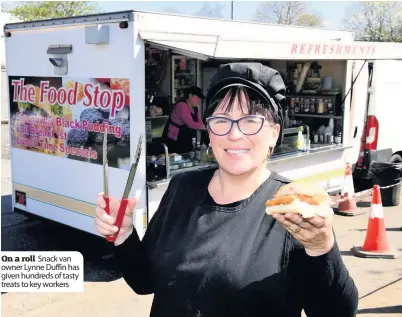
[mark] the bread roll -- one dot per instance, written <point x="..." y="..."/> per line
<point x="305" y="199"/>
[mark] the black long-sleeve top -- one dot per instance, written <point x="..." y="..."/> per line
<point x="201" y="259"/>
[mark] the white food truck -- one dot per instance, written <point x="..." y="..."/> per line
<point x="70" y="79"/>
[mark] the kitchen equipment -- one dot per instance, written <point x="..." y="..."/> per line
<point x="159" y="167"/>
<point x="338" y="138"/>
<point x="326" y="82"/>
<point x="186" y="164"/>
<point x="297" y="105"/>
<point x="127" y="189"/>
<point x="330" y="128"/>
<point x="321" y="129"/>
<point x="295" y="139"/>
<point x="329" y="106"/>
<point x="329" y="138"/>
<point x="300" y="140"/>
<point x="203" y="154"/>
<point x="286" y="119"/>
<point x="312" y="84"/>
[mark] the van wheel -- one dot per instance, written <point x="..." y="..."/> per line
<point x="391" y="196"/>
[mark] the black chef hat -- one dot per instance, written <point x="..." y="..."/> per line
<point x="266" y="81"/>
<point x="196" y="91"/>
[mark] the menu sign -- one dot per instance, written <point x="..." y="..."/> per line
<point x="67" y="117"/>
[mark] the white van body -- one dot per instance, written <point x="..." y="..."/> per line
<point x="112" y="45"/>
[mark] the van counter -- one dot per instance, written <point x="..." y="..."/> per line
<point x="315" y="149"/>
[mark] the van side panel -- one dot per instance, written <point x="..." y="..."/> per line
<point x="57" y="187"/>
<point x="26" y="52"/>
<point x="386" y="104"/>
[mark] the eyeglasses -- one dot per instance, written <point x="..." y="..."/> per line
<point x="248" y="125"/>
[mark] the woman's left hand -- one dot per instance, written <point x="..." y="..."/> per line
<point x="315" y="233"/>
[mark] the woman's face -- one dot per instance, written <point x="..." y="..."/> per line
<point x="194" y="100"/>
<point x="237" y="153"/>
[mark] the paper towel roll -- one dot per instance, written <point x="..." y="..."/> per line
<point x="302" y="77"/>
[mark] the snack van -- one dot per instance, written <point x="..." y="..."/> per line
<point x="123" y="71"/>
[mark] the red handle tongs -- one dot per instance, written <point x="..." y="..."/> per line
<point x="105" y="176"/>
<point x="130" y="180"/>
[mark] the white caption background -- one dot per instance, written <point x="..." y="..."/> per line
<point x="41" y="271"/>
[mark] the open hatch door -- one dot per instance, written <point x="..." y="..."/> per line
<point x="216" y="46"/>
<point x="196" y="46"/>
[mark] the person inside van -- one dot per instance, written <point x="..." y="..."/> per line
<point x="211" y="249"/>
<point x="184" y="121"/>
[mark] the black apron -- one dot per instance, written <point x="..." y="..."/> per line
<point x="184" y="138"/>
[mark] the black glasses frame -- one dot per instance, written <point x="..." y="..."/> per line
<point x="237" y="122"/>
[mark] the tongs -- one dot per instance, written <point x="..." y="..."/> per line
<point x="124" y="200"/>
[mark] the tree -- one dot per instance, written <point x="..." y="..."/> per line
<point x="287" y="12"/>
<point x="40" y="10"/>
<point x="209" y="11"/>
<point x="375" y="21"/>
<point x="308" y="19"/>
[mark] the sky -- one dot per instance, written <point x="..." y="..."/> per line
<point x="331" y="12"/>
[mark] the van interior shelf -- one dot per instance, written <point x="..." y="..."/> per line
<point x="329" y="116"/>
<point x="313" y="94"/>
<point x="156" y="117"/>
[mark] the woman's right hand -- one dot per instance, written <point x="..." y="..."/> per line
<point x="105" y="223"/>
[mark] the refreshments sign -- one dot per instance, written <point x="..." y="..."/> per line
<point x="332" y="50"/>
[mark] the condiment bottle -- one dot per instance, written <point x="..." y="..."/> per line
<point x="325" y="107"/>
<point x="312" y="105"/>
<point x="297" y="105"/>
<point x="198" y="152"/>
<point x="330" y="109"/>
<point x="204" y="156"/>
<point x="338" y="138"/>
<point x="193" y="150"/>
<point x="320" y="108"/>
<point x="292" y="105"/>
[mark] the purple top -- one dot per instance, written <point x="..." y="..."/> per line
<point x="181" y="114"/>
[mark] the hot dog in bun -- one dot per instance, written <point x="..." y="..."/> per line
<point x="305" y="199"/>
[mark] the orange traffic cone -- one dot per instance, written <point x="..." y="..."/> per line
<point x="376" y="242"/>
<point x="347" y="204"/>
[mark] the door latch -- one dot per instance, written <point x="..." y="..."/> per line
<point x="59" y="58"/>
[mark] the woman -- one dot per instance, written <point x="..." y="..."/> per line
<point x="184" y="121"/>
<point x="210" y="249"/>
